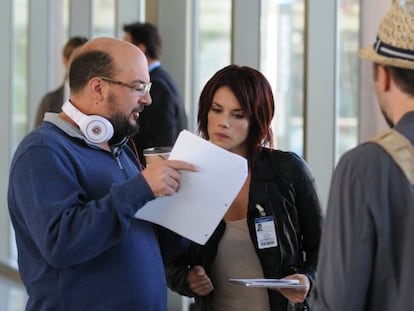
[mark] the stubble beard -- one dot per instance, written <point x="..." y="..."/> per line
<point x="123" y="127"/>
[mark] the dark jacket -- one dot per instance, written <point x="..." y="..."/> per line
<point x="51" y="102"/>
<point x="283" y="185"/>
<point x="162" y="121"/>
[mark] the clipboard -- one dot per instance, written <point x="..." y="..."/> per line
<point x="268" y="283"/>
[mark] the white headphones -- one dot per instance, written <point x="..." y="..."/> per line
<point x="96" y="129"/>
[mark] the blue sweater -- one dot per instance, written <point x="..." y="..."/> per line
<point x="72" y="206"/>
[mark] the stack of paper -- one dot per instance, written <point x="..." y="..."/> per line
<point x="204" y="196"/>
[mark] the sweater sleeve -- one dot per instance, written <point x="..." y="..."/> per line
<point x="73" y="211"/>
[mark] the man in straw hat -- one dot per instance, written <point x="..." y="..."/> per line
<point x="366" y="256"/>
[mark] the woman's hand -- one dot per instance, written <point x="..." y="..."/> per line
<point x="296" y="295"/>
<point x="199" y="282"/>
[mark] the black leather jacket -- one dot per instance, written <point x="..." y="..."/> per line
<point x="283" y="185"/>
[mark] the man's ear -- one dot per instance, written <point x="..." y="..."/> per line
<point x="97" y="88"/>
<point x="143" y="48"/>
<point x="384" y="78"/>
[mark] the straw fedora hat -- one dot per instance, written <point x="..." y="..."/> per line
<point x="395" y="39"/>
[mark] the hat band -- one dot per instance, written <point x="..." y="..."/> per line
<point x="391" y="51"/>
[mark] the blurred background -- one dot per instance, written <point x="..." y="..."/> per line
<point x="307" y="49"/>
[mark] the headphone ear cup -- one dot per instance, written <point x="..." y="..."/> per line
<point x="96" y="129"/>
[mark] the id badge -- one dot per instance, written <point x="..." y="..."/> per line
<point x="265" y="232"/>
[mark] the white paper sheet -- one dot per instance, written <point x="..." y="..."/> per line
<point x="204" y="196"/>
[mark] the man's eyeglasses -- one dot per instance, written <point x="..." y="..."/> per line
<point x="141" y="88"/>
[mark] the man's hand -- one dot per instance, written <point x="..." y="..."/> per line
<point x="164" y="177"/>
<point x="199" y="282"/>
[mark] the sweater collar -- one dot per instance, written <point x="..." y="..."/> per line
<point x="75" y="132"/>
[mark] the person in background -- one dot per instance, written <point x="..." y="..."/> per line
<point x="160" y="123"/>
<point x="367" y="252"/>
<point x="75" y="187"/>
<point x="53" y="101"/>
<point x="272" y="229"/>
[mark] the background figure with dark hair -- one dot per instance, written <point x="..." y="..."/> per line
<point x="367" y="254"/>
<point x="53" y="101"/>
<point x="160" y="123"/>
<point x="272" y="228"/>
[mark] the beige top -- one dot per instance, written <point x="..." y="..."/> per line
<point x="237" y="258"/>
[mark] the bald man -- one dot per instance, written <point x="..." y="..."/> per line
<point x="75" y="187"/>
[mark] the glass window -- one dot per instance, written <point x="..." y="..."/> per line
<point x="59" y="38"/>
<point x="214" y="38"/>
<point x="103" y="18"/>
<point x="282" y="62"/>
<point x="65" y="19"/>
<point x="347" y="77"/>
<point x="19" y="105"/>
<point x="19" y="72"/>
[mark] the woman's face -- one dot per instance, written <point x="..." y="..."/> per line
<point x="227" y="124"/>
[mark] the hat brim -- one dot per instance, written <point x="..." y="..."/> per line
<point x="369" y="53"/>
